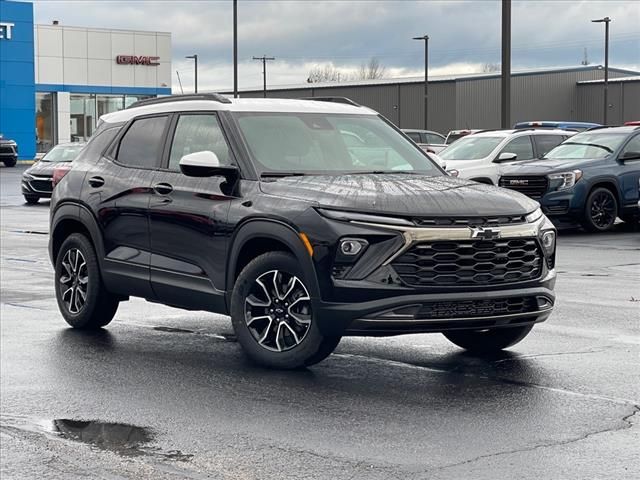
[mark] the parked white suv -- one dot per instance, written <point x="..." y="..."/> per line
<point x="479" y="156"/>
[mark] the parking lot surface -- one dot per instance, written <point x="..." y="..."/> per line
<point x="562" y="404"/>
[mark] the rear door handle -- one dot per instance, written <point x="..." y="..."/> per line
<point x="163" y="188"/>
<point x="96" y="182"/>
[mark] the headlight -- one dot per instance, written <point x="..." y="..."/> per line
<point x="564" y="180"/>
<point x="363" y="217"/>
<point x="548" y="241"/>
<point x="533" y="216"/>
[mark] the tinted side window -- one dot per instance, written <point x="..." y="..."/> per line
<point x="97" y="144"/>
<point x="142" y="145"/>
<point x="521" y="146"/>
<point x="545" y="143"/>
<point x="415" y="136"/>
<point x="197" y="133"/>
<point x="632" y="146"/>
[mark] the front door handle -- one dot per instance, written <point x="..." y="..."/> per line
<point x="163" y="188"/>
<point x="96" y="182"/>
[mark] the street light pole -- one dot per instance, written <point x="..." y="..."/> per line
<point x="264" y="60"/>
<point x="195" y="58"/>
<point x="505" y="74"/>
<point x="235" y="48"/>
<point x="426" y="78"/>
<point x="606" y="21"/>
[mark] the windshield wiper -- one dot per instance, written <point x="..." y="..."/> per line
<point x="597" y="145"/>
<point x="281" y="174"/>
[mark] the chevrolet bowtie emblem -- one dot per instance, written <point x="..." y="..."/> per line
<point x="485" y="233"/>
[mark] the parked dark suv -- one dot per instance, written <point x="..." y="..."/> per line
<point x="263" y="210"/>
<point x="590" y="179"/>
<point x="8" y="151"/>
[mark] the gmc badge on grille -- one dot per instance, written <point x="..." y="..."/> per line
<point x="484" y="233"/>
<point x="519" y="182"/>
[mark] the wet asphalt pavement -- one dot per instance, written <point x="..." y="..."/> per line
<point x="561" y="405"/>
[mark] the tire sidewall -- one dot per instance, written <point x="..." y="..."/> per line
<point x="298" y="355"/>
<point x="587" y="211"/>
<point x="83" y="317"/>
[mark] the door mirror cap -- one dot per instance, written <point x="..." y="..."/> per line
<point x="506" y="157"/>
<point x="206" y="164"/>
<point x="630" y="156"/>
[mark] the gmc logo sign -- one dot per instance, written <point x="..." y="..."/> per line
<point x="519" y="182"/>
<point x="137" y="60"/>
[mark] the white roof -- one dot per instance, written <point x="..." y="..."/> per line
<point x="239" y="105"/>
<point x="528" y="131"/>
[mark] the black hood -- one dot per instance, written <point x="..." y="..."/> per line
<point x="402" y="194"/>
<point x="544" y="167"/>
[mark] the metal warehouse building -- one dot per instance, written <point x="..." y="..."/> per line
<point x="473" y="101"/>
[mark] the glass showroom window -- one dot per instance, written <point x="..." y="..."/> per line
<point x="109" y="104"/>
<point x="83" y="116"/>
<point x="45" y="122"/>
<point x="131" y="99"/>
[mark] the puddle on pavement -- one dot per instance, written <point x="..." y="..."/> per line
<point x="173" y="330"/>
<point x="31" y="232"/>
<point x="116" y="437"/>
<point x="123" y="439"/>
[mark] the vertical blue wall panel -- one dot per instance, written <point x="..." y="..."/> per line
<point x="17" y="78"/>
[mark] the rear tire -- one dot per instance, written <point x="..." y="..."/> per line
<point x="11" y="162"/>
<point x="600" y="211"/>
<point x="82" y="298"/>
<point x="272" y="314"/>
<point x="487" y="341"/>
<point x="31" y="199"/>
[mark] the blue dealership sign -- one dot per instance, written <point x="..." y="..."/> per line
<point x="17" y="76"/>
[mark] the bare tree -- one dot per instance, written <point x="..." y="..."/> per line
<point x="371" y="70"/>
<point x="328" y="73"/>
<point x="490" y="67"/>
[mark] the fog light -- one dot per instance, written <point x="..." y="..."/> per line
<point x="548" y="240"/>
<point x="352" y="246"/>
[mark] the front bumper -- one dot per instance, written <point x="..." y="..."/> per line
<point x="39" y="185"/>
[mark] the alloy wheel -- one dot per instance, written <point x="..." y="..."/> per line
<point x="603" y="210"/>
<point x="74" y="280"/>
<point x="277" y="310"/>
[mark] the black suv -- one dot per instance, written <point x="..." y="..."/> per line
<point x="590" y="179"/>
<point x="8" y="151"/>
<point x="264" y="210"/>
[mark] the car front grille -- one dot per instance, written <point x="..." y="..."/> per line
<point x="41" y="185"/>
<point x="7" y="150"/>
<point x="478" y="308"/>
<point x="468" y="221"/>
<point x="532" y="186"/>
<point x="469" y="262"/>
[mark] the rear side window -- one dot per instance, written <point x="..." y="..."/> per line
<point x="546" y="143"/>
<point x="415" y="136"/>
<point x="197" y="133"/>
<point x="142" y="145"/>
<point x="433" y="138"/>
<point x="521" y="146"/>
<point x="97" y="144"/>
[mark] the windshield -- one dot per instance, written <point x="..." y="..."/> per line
<point x="588" y="145"/>
<point x="328" y="144"/>
<point x="63" y="153"/>
<point x="471" y="148"/>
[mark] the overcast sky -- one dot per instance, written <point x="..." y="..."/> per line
<point x="300" y="34"/>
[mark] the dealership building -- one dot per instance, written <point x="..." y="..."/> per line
<point x="57" y="80"/>
<point x="473" y="100"/>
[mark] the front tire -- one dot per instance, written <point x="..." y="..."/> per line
<point x="487" y="341"/>
<point x="31" y="199"/>
<point x="601" y="210"/>
<point x="82" y="298"/>
<point x="11" y="162"/>
<point x="272" y="314"/>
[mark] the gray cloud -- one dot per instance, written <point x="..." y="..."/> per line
<point x="347" y="33"/>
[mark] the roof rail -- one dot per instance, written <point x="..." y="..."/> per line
<point x="599" y="127"/>
<point x="344" y="100"/>
<point x="216" y="97"/>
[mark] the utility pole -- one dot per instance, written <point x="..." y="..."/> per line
<point x="264" y="60"/>
<point x="606" y="21"/>
<point x="426" y="79"/>
<point x="195" y="58"/>
<point x="505" y="120"/>
<point x="235" y="48"/>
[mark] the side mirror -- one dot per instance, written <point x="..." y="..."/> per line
<point x="506" y="157"/>
<point x="630" y="156"/>
<point x="206" y="164"/>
